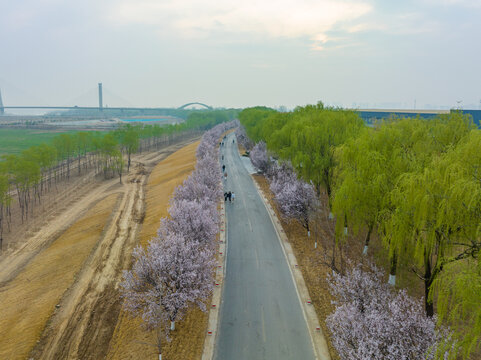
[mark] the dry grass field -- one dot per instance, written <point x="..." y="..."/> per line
<point x="59" y="284"/>
<point x="30" y="299"/>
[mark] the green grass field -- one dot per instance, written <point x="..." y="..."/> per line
<point x="13" y="141"/>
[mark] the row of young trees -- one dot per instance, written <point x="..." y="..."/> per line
<point x="176" y="269"/>
<point x="38" y="169"/>
<point x="413" y="181"/>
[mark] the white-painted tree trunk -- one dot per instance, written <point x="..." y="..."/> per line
<point x="315" y="245"/>
<point x="331" y="215"/>
<point x="364" y="252"/>
<point x="345" y="230"/>
<point x="160" y="356"/>
<point x="172" y="325"/>
<point x="392" y="280"/>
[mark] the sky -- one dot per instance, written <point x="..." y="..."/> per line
<point x="226" y="53"/>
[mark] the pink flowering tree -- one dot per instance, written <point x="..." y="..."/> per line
<point x="259" y="157"/>
<point x="176" y="269"/>
<point x="205" y="149"/>
<point x="280" y="174"/>
<point x="208" y="172"/>
<point x="242" y="138"/>
<point x="196" y="221"/>
<point x="296" y="199"/>
<point x="165" y="279"/>
<point x="371" y="321"/>
<point x="193" y="190"/>
<point x="203" y="184"/>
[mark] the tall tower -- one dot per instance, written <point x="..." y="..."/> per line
<point x="2" y="109"/>
<point x="101" y="106"/>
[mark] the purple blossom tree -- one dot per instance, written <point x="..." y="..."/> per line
<point x="295" y="198"/>
<point x="165" y="279"/>
<point x="373" y="322"/>
<point x="196" y="221"/>
<point x="205" y="149"/>
<point x="280" y="174"/>
<point x="259" y="157"/>
<point x="194" y="190"/>
<point x="177" y="268"/>
<point x="242" y="138"/>
<point x="207" y="171"/>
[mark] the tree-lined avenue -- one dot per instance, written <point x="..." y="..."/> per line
<point x="261" y="316"/>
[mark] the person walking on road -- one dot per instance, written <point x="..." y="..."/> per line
<point x="223" y="168"/>
<point x="229" y="195"/>
<point x="232" y="195"/>
<point x="225" y="196"/>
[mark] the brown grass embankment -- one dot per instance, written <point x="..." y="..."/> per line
<point x="130" y="341"/>
<point x="30" y="299"/>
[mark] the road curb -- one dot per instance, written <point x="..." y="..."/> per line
<point x="319" y="343"/>
<point x="213" y="322"/>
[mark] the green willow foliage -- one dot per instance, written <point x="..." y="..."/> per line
<point x="307" y="137"/>
<point x="416" y="181"/>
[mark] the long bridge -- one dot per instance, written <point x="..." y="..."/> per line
<point x="100" y="107"/>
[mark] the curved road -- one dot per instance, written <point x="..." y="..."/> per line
<point x="261" y="316"/>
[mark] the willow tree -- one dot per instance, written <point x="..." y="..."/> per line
<point x="372" y="165"/>
<point x="253" y="120"/>
<point x="458" y="287"/>
<point x="436" y="220"/>
<point x="309" y="141"/>
<point x="365" y="177"/>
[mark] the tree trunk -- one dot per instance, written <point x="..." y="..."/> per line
<point x="368" y="238"/>
<point x="333" y="261"/>
<point x="428" y="280"/>
<point x="68" y="167"/>
<point x="392" y="270"/>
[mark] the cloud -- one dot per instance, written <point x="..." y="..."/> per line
<point x="458" y="3"/>
<point x="284" y="19"/>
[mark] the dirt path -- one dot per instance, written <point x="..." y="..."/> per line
<point x="87" y="304"/>
<point x="15" y="261"/>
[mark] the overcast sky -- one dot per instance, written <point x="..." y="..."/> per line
<point x="231" y="53"/>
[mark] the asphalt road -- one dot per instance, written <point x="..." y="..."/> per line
<point x="261" y="317"/>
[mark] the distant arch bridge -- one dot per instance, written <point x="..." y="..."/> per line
<point x="195" y="103"/>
